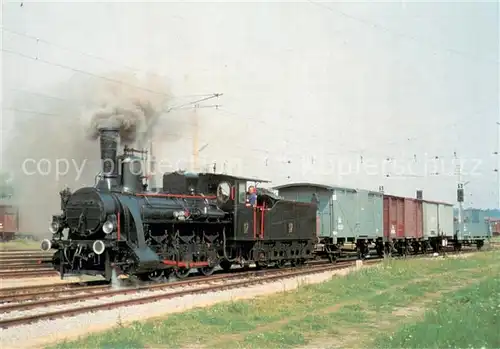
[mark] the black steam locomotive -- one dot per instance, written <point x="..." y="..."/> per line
<point x="196" y="221"/>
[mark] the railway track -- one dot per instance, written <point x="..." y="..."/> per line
<point x="17" y="294"/>
<point x="37" y="301"/>
<point x="196" y="285"/>
<point x="25" y="264"/>
<point x="101" y="291"/>
<point x="21" y="251"/>
<point x="20" y="254"/>
<point x="7" y="292"/>
<point x="19" y="274"/>
<point x="22" y="266"/>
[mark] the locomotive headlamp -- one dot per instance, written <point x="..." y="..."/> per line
<point x="108" y="227"/>
<point x="54" y="227"/>
<point x="98" y="247"/>
<point x="46" y="245"/>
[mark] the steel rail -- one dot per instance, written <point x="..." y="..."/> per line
<point x="5" y="323"/>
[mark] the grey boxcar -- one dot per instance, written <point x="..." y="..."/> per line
<point x="430" y="218"/>
<point x="344" y="214"/>
<point x="474" y="229"/>
<point x="445" y="220"/>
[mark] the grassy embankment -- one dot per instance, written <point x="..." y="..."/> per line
<point x="451" y="302"/>
<point x="20" y="244"/>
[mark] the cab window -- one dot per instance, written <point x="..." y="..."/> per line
<point x="242" y="192"/>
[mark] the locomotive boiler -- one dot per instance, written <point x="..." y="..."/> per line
<point x="198" y="220"/>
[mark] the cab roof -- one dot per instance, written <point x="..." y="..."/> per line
<point x="234" y="177"/>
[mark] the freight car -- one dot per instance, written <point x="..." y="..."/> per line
<point x="403" y="226"/>
<point x="495" y="227"/>
<point x="345" y="215"/>
<point x="9" y="222"/>
<point x="197" y="221"/>
<point x="473" y="230"/>
<point x="438" y="224"/>
<point x="388" y="224"/>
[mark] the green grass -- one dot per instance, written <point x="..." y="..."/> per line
<point x="345" y="312"/>
<point x="20" y="244"/>
<point x="469" y="317"/>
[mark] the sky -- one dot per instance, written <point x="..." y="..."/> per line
<point x="360" y="94"/>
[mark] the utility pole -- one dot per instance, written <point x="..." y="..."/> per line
<point x="195" y="139"/>
<point x="497" y="170"/>
<point x="147" y="131"/>
<point x="152" y="163"/>
<point x="460" y="195"/>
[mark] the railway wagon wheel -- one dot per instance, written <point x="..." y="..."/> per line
<point x="479" y="244"/>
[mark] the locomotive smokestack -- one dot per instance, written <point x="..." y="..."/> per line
<point x="109" y="137"/>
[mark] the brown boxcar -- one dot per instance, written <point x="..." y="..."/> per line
<point x="402" y="218"/>
<point x="9" y="222"/>
<point x="495" y="227"/>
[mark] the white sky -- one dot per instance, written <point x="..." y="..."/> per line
<point x="301" y="80"/>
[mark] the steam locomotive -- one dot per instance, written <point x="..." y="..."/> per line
<point x="197" y="220"/>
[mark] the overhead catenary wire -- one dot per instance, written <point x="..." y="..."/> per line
<point x="358" y="155"/>
<point x="90" y="55"/>
<point x="420" y="41"/>
<point x="66" y="48"/>
<point x="84" y="72"/>
<point x="164" y="133"/>
<point x="357" y="151"/>
<point x="253" y="160"/>
<point x="79" y="70"/>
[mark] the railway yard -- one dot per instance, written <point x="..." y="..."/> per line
<point x="43" y="310"/>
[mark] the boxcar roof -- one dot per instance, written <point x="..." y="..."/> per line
<point x="320" y="185"/>
<point x="303" y="184"/>
<point x="438" y="202"/>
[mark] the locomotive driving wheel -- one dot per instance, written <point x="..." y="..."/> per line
<point x="156" y="275"/>
<point x="281" y="263"/>
<point x="207" y="271"/>
<point x="182" y="273"/>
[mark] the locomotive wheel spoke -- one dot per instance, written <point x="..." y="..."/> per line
<point x="281" y="263"/>
<point x="156" y="275"/>
<point x="182" y="273"/>
<point x="207" y="271"/>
